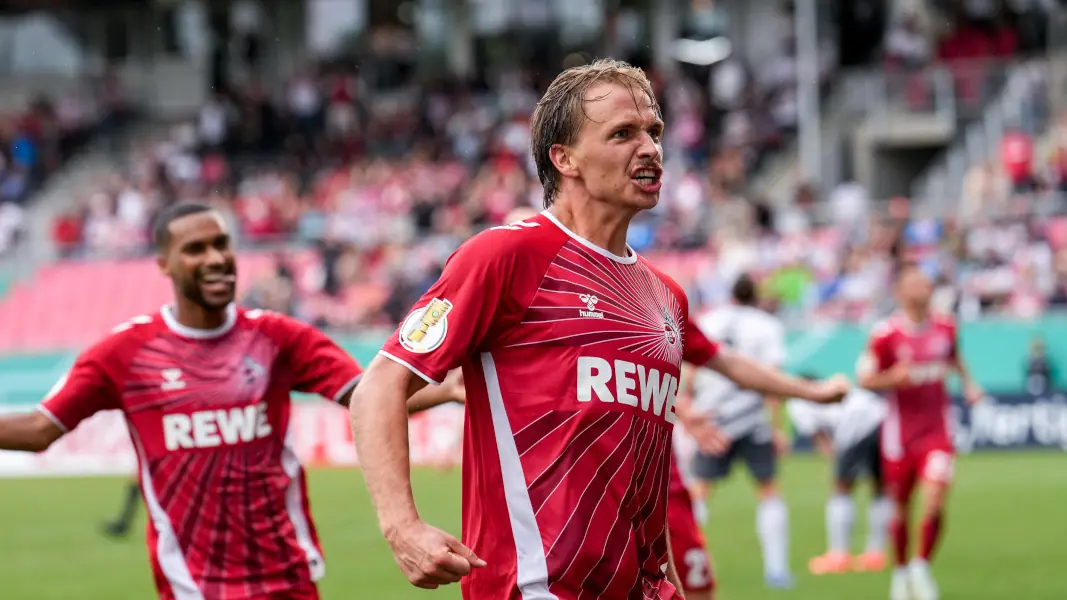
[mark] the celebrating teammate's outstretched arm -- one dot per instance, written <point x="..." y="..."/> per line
<point x="30" y="432"/>
<point x="769" y="381"/>
<point x="431" y="396"/>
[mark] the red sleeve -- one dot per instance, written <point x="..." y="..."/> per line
<point x="697" y="349"/>
<point x="457" y="314"/>
<point x="879" y="354"/>
<point x="83" y="391"/>
<point x="319" y="365"/>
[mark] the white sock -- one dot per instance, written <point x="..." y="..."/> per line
<point x="879" y="513"/>
<point x="772" y="526"/>
<point x="840" y="514"/>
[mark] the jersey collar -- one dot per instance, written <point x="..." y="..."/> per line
<point x="199" y="334"/>
<point x="626" y="260"/>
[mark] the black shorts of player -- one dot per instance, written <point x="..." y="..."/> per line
<point x="863" y="457"/>
<point x="757" y="452"/>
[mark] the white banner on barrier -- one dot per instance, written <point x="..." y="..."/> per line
<point x="320" y="434"/>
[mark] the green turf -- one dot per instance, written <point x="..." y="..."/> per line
<point x="1006" y="532"/>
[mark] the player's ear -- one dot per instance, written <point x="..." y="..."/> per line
<point x="162" y="263"/>
<point x="562" y="158"/>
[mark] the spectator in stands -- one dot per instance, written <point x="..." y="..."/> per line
<point x="11" y="225"/>
<point x="1041" y="373"/>
<point x="907" y="46"/>
<point x="1017" y="156"/>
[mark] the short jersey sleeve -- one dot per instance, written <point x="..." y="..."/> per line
<point x="86" y="389"/>
<point x="878" y="355"/>
<point x="697" y="349"/>
<point x="457" y="314"/>
<point x="319" y="365"/>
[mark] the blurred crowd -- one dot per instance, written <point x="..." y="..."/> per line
<point x="36" y="142"/>
<point x="359" y="200"/>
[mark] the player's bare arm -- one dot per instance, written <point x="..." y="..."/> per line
<point x="869" y="377"/>
<point x="450" y="390"/>
<point x="972" y="392"/>
<point x="769" y="381"/>
<point x="30" y="432"/>
<point x="707" y="435"/>
<point x="379" y="417"/>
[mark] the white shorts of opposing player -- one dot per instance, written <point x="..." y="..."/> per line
<point x="914" y="582"/>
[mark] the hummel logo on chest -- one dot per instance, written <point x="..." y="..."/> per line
<point x="172" y="380"/>
<point x="590" y="303"/>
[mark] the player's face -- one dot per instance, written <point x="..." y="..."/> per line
<point x="915" y="288"/>
<point x="618" y="155"/>
<point x="201" y="261"/>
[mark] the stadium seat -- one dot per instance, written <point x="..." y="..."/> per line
<point x="69" y="305"/>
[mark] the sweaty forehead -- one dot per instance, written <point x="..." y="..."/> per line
<point x="610" y="101"/>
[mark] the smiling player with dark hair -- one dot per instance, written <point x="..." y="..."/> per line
<point x="205" y="389"/>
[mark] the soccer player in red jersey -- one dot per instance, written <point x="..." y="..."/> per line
<point x="909" y="356"/>
<point x="205" y="389"/>
<point x="571" y="346"/>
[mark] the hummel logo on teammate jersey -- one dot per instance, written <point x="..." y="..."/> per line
<point x="172" y="380"/>
<point x="590" y="303"/>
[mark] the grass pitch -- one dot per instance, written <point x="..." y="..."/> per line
<point x="1006" y="535"/>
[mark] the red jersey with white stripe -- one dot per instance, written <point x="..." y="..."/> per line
<point x="918" y="411"/>
<point x="209" y="414"/>
<point x="571" y="357"/>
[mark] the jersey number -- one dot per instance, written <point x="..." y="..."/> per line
<point x="696" y="561"/>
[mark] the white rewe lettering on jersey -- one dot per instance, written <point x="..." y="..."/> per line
<point x="212" y="428"/>
<point x="657" y="391"/>
<point x="927" y="372"/>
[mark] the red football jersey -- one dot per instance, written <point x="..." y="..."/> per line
<point x="920" y="409"/>
<point x="208" y="413"/>
<point x="571" y="359"/>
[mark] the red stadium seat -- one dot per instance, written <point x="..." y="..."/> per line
<point x="69" y="305"/>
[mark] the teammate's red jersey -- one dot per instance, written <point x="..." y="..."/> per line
<point x="919" y="411"/>
<point x="571" y="357"/>
<point x="688" y="546"/>
<point x="209" y="414"/>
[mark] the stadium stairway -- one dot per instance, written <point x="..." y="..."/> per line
<point x="1021" y="104"/>
<point x="841" y="110"/>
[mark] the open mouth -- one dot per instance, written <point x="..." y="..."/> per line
<point x="218" y="282"/>
<point x="647" y="179"/>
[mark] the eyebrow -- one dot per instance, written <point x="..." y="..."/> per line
<point x="629" y="122"/>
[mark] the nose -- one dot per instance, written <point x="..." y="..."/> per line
<point x="649" y="148"/>
<point x="214" y="257"/>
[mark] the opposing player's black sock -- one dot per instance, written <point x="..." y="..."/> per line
<point x="133" y="500"/>
<point x="122" y="525"/>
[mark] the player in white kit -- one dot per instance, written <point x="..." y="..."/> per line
<point x="850" y="431"/>
<point x="740" y="415"/>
